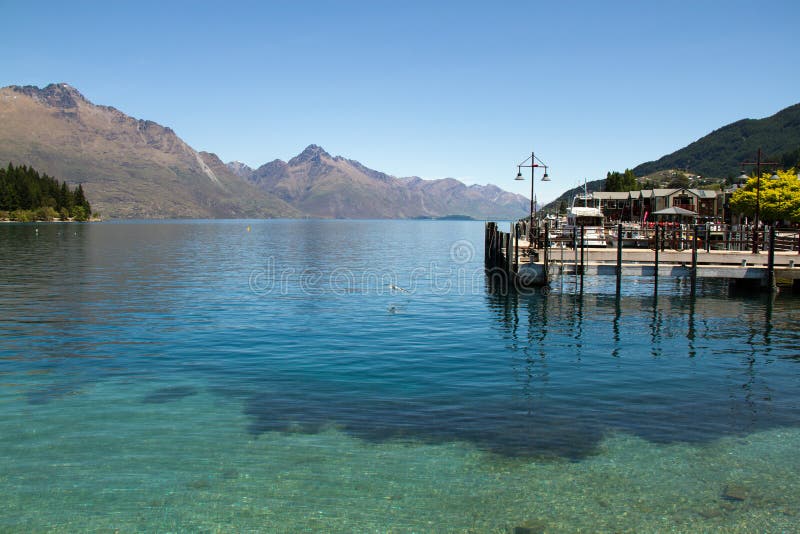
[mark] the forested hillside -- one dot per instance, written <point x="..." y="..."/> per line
<point x="26" y="195"/>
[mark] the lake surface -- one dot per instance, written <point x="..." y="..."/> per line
<point x="360" y="376"/>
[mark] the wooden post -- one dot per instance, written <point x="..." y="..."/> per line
<point x="771" y="260"/>
<point x="495" y="245"/>
<point x="708" y="237"/>
<point x="498" y="253"/>
<point x="491" y="245"/>
<point x="487" y="241"/>
<point x="583" y="238"/>
<point x="694" y="260"/>
<point x="575" y="252"/>
<point x="546" y="249"/>
<point x="509" y="265"/>
<point x="655" y="272"/>
<point x="619" y="258"/>
<point x="516" y="247"/>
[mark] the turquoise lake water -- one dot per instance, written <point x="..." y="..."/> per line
<point x="359" y="376"/>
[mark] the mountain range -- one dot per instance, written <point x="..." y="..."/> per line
<point x="133" y="168"/>
<point x="326" y="186"/>
<point x="720" y="153"/>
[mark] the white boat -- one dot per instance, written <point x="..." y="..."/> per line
<point x="590" y="218"/>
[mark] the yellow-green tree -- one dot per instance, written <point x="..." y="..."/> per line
<point x="780" y="198"/>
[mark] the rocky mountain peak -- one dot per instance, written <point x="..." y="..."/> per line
<point x="57" y="95"/>
<point x="239" y="169"/>
<point x="311" y="153"/>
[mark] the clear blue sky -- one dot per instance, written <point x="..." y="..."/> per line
<point x="433" y="89"/>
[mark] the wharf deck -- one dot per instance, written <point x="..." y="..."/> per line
<point x="676" y="263"/>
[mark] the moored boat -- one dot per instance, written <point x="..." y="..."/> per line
<point x="588" y="218"/>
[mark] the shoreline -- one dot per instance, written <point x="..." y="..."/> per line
<point x="52" y="221"/>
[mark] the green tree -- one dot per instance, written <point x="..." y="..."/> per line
<point x="791" y="159"/>
<point x="79" y="213"/>
<point x="780" y="198"/>
<point x="80" y="198"/>
<point x="679" y="181"/>
<point x="625" y="181"/>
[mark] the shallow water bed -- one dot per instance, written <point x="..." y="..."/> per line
<point x="104" y="460"/>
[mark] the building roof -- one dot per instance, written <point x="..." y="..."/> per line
<point x="675" y="210"/>
<point x="653" y="193"/>
<point x="663" y="192"/>
<point x="611" y="195"/>
<point x="705" y="193"/>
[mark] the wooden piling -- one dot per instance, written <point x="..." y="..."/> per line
<point x="655" y="270"/>
<point x="583" y="239"/>
<point x="771" y="260"/>
<point x="619" y="258"/>
<point x="575" y="252"/>
<point x="509" y="263"/>
<point x="694" y="261"/>
<point x="546" y="250"/>
<point x="487" y="241"/>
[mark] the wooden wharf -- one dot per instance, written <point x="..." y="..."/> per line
<point x="524" y="264"/>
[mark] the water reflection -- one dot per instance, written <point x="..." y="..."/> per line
<point x="706" y="376"/>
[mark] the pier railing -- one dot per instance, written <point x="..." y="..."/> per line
<point x="681" y="237"/>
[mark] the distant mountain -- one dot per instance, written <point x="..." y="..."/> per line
<point x="239" y="169"/>
<point x="128" y="167"/>
<point x="322" y="185"/>
<point x="719" y="153"/>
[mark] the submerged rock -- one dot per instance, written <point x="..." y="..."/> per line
<point x="533" y="526"/>
<point x="200" y="483"/>
<point x="169" y="394"/>
<point x="735" y="493"/>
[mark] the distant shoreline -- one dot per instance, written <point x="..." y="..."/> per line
<point x="52" y="221"/>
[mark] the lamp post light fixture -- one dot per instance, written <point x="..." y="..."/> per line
<point x="758" y="163"/>
<point x="532" y="161"/>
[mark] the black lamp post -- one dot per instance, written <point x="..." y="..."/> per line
<point x="758" y="163"/>
<point x="534" y="162"/>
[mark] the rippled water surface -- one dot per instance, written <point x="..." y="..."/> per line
<point x="360" y="376"/>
